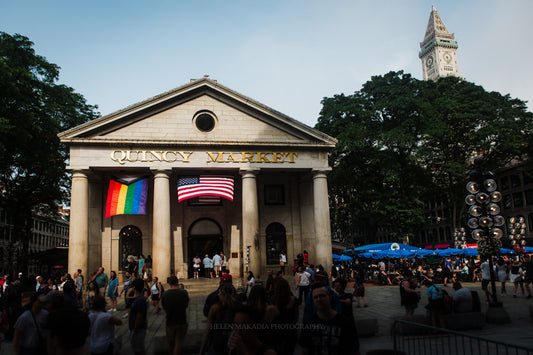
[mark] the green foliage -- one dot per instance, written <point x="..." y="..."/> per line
<point x="33" y="110"/>
<point x="401" y="141"/>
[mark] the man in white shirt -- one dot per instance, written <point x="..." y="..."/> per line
<point x="462" y="299"/>
<point x="485" y="270"/>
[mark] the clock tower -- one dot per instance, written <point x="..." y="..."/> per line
<point x="438" y="51"/>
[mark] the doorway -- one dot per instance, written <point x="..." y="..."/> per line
<point x="205" y="237"/>
<point x="131" y="243"/>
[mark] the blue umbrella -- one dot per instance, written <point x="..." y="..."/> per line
<point x="366" y="255"/>
<point x="507" y="251"/>
<point x="335" y="256"/>
<point x="345" y="258"/>
<point x="426" y="252"/>
<point x="528" y="249"/>
<point x="394" y="254"/>
<point x="450" y="252"/>
<point x="470" y="252"/>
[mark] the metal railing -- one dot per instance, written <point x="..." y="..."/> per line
<point x="414" y="338"/>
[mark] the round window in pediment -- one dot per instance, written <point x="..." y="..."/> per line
<point x="205" y="121"/>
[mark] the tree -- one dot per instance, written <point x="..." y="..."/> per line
<point x="400" y="140"/>
<point x="33" y="110"/>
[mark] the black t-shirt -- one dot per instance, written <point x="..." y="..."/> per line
<point x="138" y="306"/>
<point x="335" y="336"/>
<point x="174" y="302"/>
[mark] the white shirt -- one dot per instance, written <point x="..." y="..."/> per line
<point x="102" y="331"/>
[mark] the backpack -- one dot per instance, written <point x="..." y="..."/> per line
<point x="162" y="288"/>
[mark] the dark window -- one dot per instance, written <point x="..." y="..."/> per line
<point x="528" y="177"/>
<point x="507" y="201"/>
<point x="517" y="200"/>
<point x="205" y="122"/>
<point x="276" y="242"/>
<point x="529" y="197"/>
<point x="515" y="181"/>
<point x="274" y="195"/>
<point x="505" y="182"/>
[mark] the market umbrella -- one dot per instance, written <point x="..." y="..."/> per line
<point x="335" y="256"/>
<point x="426" y="252"/>
<point x="470" y="252"/>
<point x="345" y="258"/>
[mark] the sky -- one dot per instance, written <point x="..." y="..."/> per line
<point x="286" y="54"/>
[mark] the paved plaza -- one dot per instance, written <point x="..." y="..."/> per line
<point x="384" y="305"/>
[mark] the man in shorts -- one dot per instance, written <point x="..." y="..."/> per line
<point x="175" y="302"/>
<point x="485" y="278"/>
<point x="138" y="322"/>
<point x="217" y="261"/>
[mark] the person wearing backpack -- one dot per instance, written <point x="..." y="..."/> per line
<point x="435" y="304"/>
<point x="156" y="290"/>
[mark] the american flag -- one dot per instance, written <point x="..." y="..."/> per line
<point x="210" y="185"/>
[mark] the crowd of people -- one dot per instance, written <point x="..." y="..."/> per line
<point x="56" y="315"/>
<point x="257" y="319"/>
<point x="266" y="319"/>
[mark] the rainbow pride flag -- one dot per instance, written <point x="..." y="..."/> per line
<point x="126" y="195"/>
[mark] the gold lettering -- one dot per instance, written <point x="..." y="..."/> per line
<point x="185" y="156"/>
<point x="118" y="160"/>
<point x="128" y="156"/>
<point x="247" y="156"/>
<point x="278" y="157"/>
<point x="262" y="157"/>
<point x="231" y="158"/>
<point x="143" y="155"/>
<point x="165" y="154"/>
<point x="291" y="156"/>
<point x="156" y="154"/>
<point x="219" y="158"/>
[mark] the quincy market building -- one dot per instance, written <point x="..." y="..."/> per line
<point x="202" y="129"/>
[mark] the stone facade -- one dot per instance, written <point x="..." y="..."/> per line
<point x="279" y="166"/>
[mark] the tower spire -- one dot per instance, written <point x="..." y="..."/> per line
<point x="438" y="49"/>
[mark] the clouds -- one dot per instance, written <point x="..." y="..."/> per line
<point x="285" y="54"/>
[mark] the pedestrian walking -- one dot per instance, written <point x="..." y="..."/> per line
<point x="207" y="265"/>
<point x="102" y="328"/>
<point x="156" y="290"/>
<point x="138" y="321"/>
<point x="175" y="302"/>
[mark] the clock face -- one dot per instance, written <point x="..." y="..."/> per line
<point x="429" y="61"/>
<point x="447" y="57"/>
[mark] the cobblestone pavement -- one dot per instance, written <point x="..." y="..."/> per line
<point x="384" y="305"/>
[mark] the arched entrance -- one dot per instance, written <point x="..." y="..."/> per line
<point x="276" y="242"/>
<point x="205" y="237"/>
<point x="131" y="243"/>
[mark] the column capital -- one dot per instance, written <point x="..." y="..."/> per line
<point x="249" y="172"/>
<point x="161" y="173"/>
<point x="320" y="173"/>
<point x="80" y="173"/>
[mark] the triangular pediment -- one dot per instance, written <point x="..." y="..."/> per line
<point x="169" y="119"/>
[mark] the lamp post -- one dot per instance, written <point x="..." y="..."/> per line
<point x="517" y="233"/>
<point x="459" y="238"/>
<point x="485" y="220"/>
